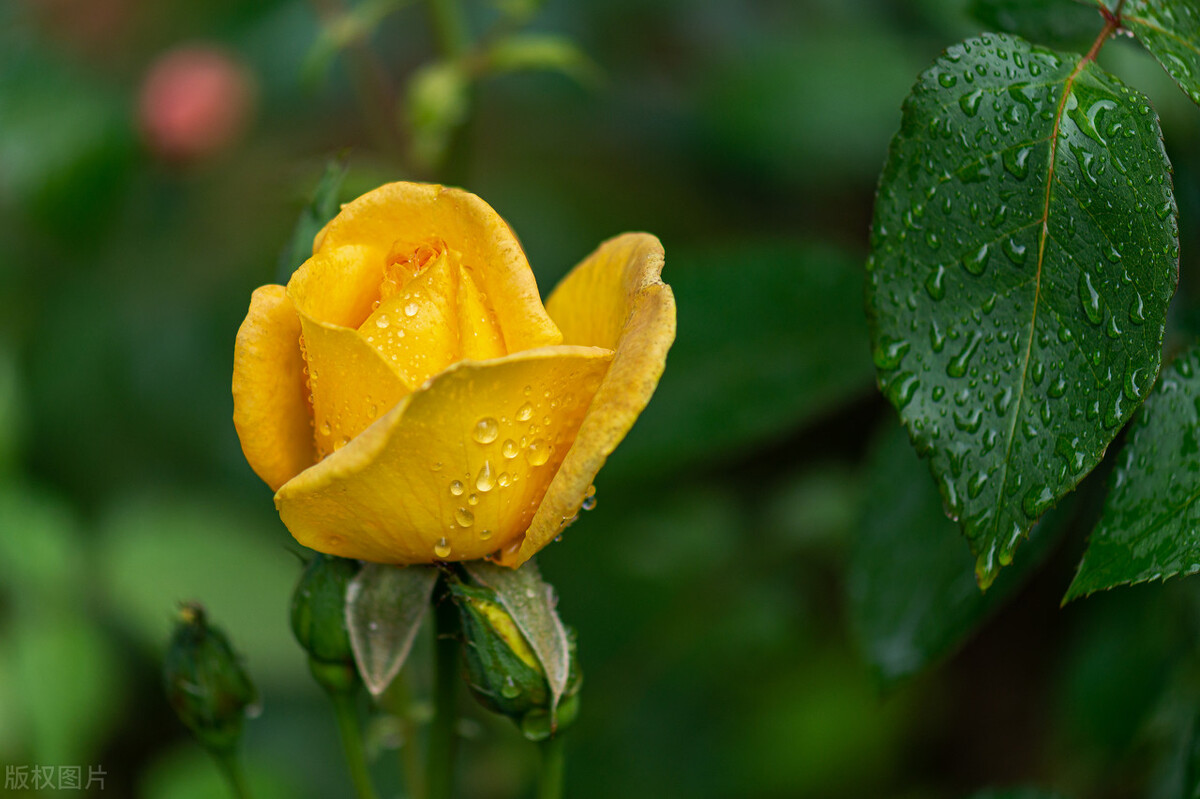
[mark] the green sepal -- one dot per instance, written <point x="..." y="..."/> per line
<point x="205" y="682"/>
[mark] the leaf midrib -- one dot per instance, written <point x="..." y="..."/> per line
<point x="1055" y="134"/>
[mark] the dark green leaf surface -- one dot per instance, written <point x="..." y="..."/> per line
<point x="1170" y="30"/>
<point x="913" y="596"/>
<point x="1024" y="252"/>
<point x="1150" y="527"/>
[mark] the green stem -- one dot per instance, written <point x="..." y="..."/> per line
<point x="550" y="781"/>
<point x="346" y="711"/>
<point x="440" y="774"/>
<point x="399" y="700"/>
<point x="231" y="769"/>
<point x="448" y="27"/>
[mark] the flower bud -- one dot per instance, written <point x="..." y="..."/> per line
<point x="205" y="682"/>
<point x="504" y="673"/>
<point x="319" y="620"/>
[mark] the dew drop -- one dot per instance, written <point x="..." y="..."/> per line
<point x="486" y="430"/>
<point x="464" y="517"/>
<point x="538" y="452"/>
<point x="456" y="488"/>
<point x="505" y="479"/>
<point x="382" y="321"/>
<point x="485" y="534"/>
<point x="1090" y="298"/>
<point x="509" y="449"/>
<point x="325" y="428"/>
<point x="411" y="309"/>
<point x="976" y="262"/>
<point x="935" y="284"/>
<point x="970" y="102"/>
<point x="486" y="478"/>
<point x="442" y="548"/>
<point x="525" y="411"/>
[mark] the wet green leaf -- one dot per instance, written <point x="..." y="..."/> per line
<point x="385" y="606"/>
<point x="1150" y="526"/>
<point x="1024" y="252"/>
<point x="913" y="596"/>
<point x="1171" y="32"/>
<point x="322" y="207"/>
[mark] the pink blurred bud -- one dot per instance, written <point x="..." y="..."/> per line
<point x="195" y="101"/>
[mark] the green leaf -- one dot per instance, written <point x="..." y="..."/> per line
<point x="1150" y="526"/>
<point x="1043" y="21"/>
<point x="542" y="52"/>
<point x="913" y="596"/>
<point x="385" y="606"/>
<point x="1171" y="32"/>
<point x="531" y="603"/>
<point x="771" y="335"/>
<point x="1024" y="252"/>
<point x="322" y="207"/>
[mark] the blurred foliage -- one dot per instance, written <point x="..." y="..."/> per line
<point x="737" y="591"/>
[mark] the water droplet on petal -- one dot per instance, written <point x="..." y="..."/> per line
<point x="538" y="452"/>
<point x="464" y="517"/>
<point x="486" y="430"/>
<point x="486" y="478"/>
<point x="442" y="548"/>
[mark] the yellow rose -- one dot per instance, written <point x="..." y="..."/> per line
<point x="408" y="397"/>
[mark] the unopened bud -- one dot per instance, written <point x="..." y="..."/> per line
<point x="319" y="620"/>
<point x="504" y="672"/>
<point x="205" y="682"/>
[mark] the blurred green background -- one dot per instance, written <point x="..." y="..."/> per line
<point x="768" y="599"/>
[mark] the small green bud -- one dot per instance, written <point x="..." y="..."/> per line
<point x="319" y="620"/>
<point x="503" y="671"/>
<point x="205" y="682"/>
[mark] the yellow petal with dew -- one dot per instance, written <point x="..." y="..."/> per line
<point x="420" y="212"/>
<point x="415" y="329"/>
<point x="270" y="398"/>
<point x="455" y="471"/>
<point x="614" y="299"/>
<point x="351" y="384"/>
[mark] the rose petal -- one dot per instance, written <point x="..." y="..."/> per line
<point x="417" y="330"/>
<point x="417" y="212"/>
<point x="614" y="299"/>
<point x="401" y="492"/>
<point x="351" y="383"/>
<point x="270" y="400"/>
